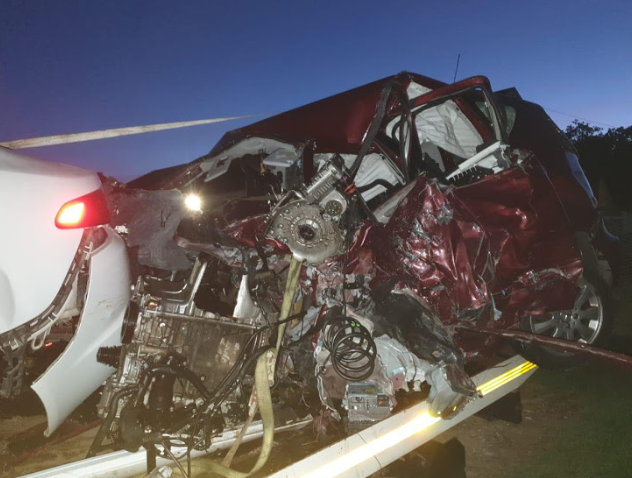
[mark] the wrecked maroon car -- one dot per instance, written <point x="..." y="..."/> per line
<point x="370" y="242"/>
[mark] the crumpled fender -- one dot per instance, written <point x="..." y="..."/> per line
<point x="76" y="373"/>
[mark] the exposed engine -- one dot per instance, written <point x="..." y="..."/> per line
<point x="181" y="364"/>
<point x="191" y="339"/>
<point x="310" y="225"/>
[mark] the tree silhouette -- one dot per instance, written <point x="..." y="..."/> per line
<point x="606" y="159"/>
<point x="579" y="131"/>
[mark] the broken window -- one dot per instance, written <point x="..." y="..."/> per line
<point x="452" y="136"/>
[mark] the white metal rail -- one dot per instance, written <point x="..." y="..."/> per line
<point x="357" y="456"/>
<point x="368" y="451"/>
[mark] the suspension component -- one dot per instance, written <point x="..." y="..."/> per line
<point x="352" y="348"/>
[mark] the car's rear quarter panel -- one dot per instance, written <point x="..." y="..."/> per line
<point x="34" y="254"/>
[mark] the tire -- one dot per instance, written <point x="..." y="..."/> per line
<point x="578" y="325"/>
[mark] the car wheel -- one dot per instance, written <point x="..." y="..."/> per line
<point x="588" y="322"/>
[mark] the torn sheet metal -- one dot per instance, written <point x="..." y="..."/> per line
<point x="152" y="230"/>
<point x="472" y="250"/>
<point x="400" y="244"/>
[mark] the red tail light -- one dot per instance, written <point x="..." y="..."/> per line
<point x="86" y="211"/>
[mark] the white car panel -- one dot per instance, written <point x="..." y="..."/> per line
<point x="34" y="254"/>
<point x="76" y="373"/>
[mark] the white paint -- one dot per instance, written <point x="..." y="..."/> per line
<point x="34" y="255"/>
<point x="121" y="464"/>
<point x="386" y="210"/>
<point x="216" y="166"/>
<point x="447" y="127"/>
<point x="357" y="456"/>
<point x="370" y="450"/>
<point x="444" y="126"/>
<point x="374" y="166"/>
<point x="397" y="359"/>
<point x="482" y="158"/>
<point x="76" y="373"/>
<point x="245" y="307"/>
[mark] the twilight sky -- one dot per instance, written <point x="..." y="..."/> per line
<point x="71" y="66"/>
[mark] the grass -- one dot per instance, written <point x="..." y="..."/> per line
<point x="598" y="441"/>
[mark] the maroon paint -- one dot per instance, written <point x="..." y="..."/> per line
<point x="502" y="244"/>
<point x="493" y="251"/>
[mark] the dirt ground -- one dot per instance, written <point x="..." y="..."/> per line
<point x="495" y="447"/>
<point x="575" y="424"/>
<point x="492" y="447"/>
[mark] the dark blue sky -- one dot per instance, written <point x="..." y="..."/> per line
<point x="72" y="66"/>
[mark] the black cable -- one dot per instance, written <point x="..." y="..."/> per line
<point x="109" y="419"/>
<point x="299" y="315"/>
<point x="249" y="363"/>
<point x="176" y="461"/>
<point x="189" y="375"/>
<point x="227" y="378"/>
<point x="221" y="392"/>
<point x="377" y="182"/>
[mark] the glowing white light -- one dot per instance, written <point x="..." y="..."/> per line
<point x="193" y="202"/>
<point x="421" y="422"/>
<point x="71" y="214"/>
<point x="357" y="456"/>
